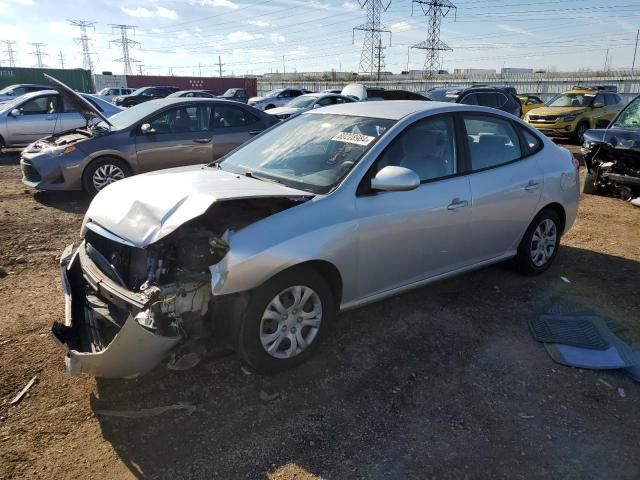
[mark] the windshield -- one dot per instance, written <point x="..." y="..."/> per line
<point x="130" y="116"/>
<point x="11" y="104"/>
<point x="104" y="91"/>
<point x="630" y="116"/>
<point x="274" y="93"/>
<point x="229" y="93"/>
<point x="7" y="90"/>
<point x="442" y="95"/>
<point x="572" y="100"/>
<point x="139" y="91"/>
<point x="309" y="152"/>
<point x="301" y="102"/>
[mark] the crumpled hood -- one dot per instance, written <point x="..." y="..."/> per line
<point x="284" y="111"/>
<point x="617" y="138"/>
<point x="557" y="110"/>
<point x="145" y="208"/>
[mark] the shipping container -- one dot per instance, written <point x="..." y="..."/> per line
<point x="76" y="78"/>
<point x="216" y="84"/>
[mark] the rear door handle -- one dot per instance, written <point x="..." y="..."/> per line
<point x="532" y="185"/>
<point x="201" y="140"/>
<point x="456" y="203"/>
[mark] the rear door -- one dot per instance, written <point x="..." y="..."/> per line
<point x="179" y="136"/>
<point x="232" y="125"/>
<point x="38" y="119"/>
<point x="506" y="183"/>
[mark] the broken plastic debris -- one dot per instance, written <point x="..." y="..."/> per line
<point x="24" y="391"/>
<point x="147" y="412"/>
<point x="565" y="280"/>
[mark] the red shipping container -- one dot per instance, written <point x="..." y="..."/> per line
<point x="217" y="84"/>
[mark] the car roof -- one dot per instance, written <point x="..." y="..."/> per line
<point x="388" y="109"/>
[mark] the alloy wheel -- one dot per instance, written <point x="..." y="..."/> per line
<point x="291" y="322"/>
<point x="106" y="175"/>
<point x="543" y="242"/>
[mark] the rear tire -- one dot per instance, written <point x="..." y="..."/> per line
<point x="589" y="187"/>
<point x="539" y="245"/>
<point x="102" y="172"/>
<point x="290" y="330"/>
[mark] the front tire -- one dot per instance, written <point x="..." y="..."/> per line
<point x="539" y="246"/>
<point x="578" y="136"/>
<point x="102" y="172"/>
<point x="590" y="187"/>
<point x="285" y="320"/>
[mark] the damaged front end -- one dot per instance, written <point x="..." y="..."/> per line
<point x="127" y="307"/>
<point x="612" y="157"/>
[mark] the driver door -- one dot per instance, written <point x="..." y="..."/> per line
<point x="38" y="118"/>
<point x="405" y="237"/>
<point x="179" y="136"/>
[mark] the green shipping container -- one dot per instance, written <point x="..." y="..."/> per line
<point x="77" y="78"/>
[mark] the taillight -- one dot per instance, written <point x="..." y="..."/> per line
<point x="576" y="162"/>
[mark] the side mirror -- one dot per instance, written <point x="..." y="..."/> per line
<point x="146" y="129"/>
<point x="15" y="112"/>
<point x="395" y="179"/>
<point x="603" y="123"/>
<point x="598" y="105"/>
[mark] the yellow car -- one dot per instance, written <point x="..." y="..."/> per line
<point x="570" y="114"/>
<point x="529" y="102"/>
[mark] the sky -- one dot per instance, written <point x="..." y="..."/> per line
<point x="186" y="37"/>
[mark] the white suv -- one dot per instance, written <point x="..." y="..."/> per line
<point x="109" y="93"/>
<point x="276" y="98"/>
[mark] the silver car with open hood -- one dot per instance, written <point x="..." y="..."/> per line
<point x="333" y="209"/>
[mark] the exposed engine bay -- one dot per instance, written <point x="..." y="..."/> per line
<point x="160" y="292"/>
<point x="612" y="157"/>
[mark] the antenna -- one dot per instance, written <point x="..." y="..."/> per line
<point x="10" y="52"/>
<point x="125" y="42"/>
<point x="83" y="40"/>
<point x="436" y="10"/>
<point x="371" y="59"/>
<point x="39" y="53"/>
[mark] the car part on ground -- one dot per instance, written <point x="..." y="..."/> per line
<point x="612" y="156"/>
<point x="151" y="136"/>
<point x="571" y="114"/>
<point x="275" y="98"/>
<point x="333" y="209"/>
<point x="144" y="94"/>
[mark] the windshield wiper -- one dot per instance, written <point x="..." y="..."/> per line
<point x="258" y="177"/>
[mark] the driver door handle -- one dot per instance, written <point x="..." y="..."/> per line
<point x="201" y="140"/>
<point x="532" y="185"/>
<point x="456" y="203"/>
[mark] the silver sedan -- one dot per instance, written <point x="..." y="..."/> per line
<point x="331" y="210"/>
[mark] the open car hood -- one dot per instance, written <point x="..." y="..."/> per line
<point x="84" y="107"/>
<point x="145" y="208"/>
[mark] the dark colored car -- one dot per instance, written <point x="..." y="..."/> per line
<point x="144" y="94"/>
<point x="443" y="94"/>
<point x="236" y="94"/>
<point x="193" y="94"/>
<point x="612" y="155"/>
<point x="502" y="98"/>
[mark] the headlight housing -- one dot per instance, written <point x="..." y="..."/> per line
<point x="58" y="151"/>
<point x="570" y="118"/>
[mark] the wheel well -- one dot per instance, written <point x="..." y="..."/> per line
<point x="559" y="209"/>
<point x="108" y="156"/>
<point x="330" y="273"/>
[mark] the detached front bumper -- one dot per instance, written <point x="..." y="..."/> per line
<point x="96" y="347"/>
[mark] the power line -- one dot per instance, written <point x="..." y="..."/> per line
<point x="436" y="10"/>
<point x="10" y="52"/>
<point x="83" y="40"/>
<point x="38" y="53"/>
<point x="370" y="56"/>
<point x="125" y="42"/>
<point x="61" y="59"/>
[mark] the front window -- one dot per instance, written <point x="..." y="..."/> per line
<point x="572" y="100"/>
<point x="309" y="152"/>
<point x="130" y="116"/>
<point x="630" y="116"/>
<point x="442" y="95"/>
<point x="302" y="102"/>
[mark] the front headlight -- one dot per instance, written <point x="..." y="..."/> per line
<point x="569" y="118"/>
<point x="58" y="151"/>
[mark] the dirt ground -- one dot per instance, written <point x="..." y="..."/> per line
<point x="441" y="383"/>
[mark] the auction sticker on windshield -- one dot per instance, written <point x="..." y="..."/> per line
<point x="355" y="138"/>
